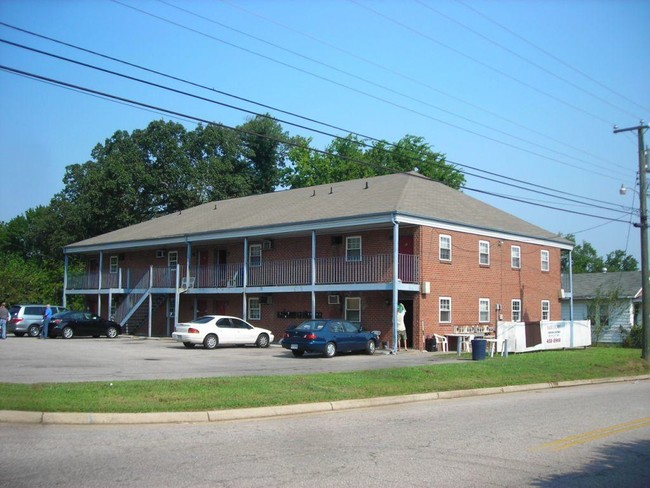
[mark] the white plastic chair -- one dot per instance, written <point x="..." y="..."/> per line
<point x="443" y="344"/>
<point x="467" y="343"/>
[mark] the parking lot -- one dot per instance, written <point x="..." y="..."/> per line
<point x="30" y="360"/>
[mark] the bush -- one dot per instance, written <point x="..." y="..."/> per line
<point x="633" y="337"/>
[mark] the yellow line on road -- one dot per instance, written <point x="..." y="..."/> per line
<point x="585" y="437"/>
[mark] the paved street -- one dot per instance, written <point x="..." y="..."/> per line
<point x="588" y="436"/>
<point x="30" y="360"/>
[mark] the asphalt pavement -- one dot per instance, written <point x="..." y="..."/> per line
<point x="31" y="361"/>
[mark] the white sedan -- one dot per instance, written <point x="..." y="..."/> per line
<point x="212" y="330"/>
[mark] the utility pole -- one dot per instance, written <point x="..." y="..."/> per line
<point x="643" y="225"/>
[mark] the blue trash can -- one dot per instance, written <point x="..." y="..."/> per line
<point x="478" y="349"/>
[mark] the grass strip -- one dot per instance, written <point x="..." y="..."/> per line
<point x="257" y="391"/>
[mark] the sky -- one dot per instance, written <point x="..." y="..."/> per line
<point x="522" y="96"/>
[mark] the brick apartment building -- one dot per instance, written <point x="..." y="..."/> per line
<point x="352" y="250"/>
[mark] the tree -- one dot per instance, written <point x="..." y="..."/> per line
<point x="586" y="259"/>
<point x="350" y="158"/>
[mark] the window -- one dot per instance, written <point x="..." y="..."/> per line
<point x="255" y="255"/>
<point x="353" y="248"/>
<point x="445" y="248"/>
<point x="254" y="309"/>
<point x="516" y="310"/>
<point x="484" y="253"/>
<point x="484" y="310"/>
<point x="353" y="309"/>
<point x="444" y="307"/>
<point x="546" y="310"/>
<point x="544" y="255"/>
<point x="515" y="257"/>
<point x="172" y="259"/>
<point x="113" y="265"/>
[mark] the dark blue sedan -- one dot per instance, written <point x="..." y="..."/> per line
<point x="329" y="337"/>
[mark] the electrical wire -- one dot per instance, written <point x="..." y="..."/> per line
<point x="207" y="122"/>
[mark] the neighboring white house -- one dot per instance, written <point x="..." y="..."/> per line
<point x="611" y="300"/>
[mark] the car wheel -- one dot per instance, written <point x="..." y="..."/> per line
<point x="370" y="347"/>
<point x="330" y="350"/>
<point x="33" y="330"/>
<point x="67" y="332"/>
<point x="298" y="354"/>
<point x="210" y="341"/>
<point x="189" y="345"/>
<point x="262" y="341"/>
<point x="111" y="332"/>
<point x="19" y="334"/>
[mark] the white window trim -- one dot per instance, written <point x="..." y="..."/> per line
<point x="480" y="302"/>
<point x="254" y="305"/>
<point x="512" y="310"/>
<point x="487" y="243"/>
<point x="440" y="299"/>
<point x="250" y="255"/>
<point x="348" y="249"/>
<point x="548" y="310"/>
<point x="545" y="262"/>
<point x="440" y="247"/>
<point x="513" y="257"/>
<point x="347" y="308"/>
<point x="172" y="259"/>
<point x="113" y="265"/>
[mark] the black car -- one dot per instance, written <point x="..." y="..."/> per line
<point x="70" y="324"/>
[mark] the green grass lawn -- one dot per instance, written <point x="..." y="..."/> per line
<point x="257" y="391"/>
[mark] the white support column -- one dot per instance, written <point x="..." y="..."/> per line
<point x="65" y="278"/>
<point x="188" y="257"/>
<point x="245" y="278"/>
<point x="313" y="274"/>
<point x="395" y="281"/>
<point x="99" y="283"/>
<point x="177" y="297"/>
<point x="571" y="300"/>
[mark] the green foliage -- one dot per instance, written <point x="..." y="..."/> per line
<point x="605" y="304"/>
<point x="633" y="337"/>
<point x="586" y="259"/>
<point x="257" y="391"/>
<point x="28" y="281"/>
<point x="350" y="158"/>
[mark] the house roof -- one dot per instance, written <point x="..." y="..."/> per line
<point x="591" y="285"/>
<point x="401" y="195"/>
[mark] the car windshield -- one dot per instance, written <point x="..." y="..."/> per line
<point x="312" y="325"/>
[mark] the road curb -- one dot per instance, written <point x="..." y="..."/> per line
<point x="71" y="418"/>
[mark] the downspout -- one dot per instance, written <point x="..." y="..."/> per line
<point x="313" y="274"/>
<point x="65" y="277"/>
<point x="395" y="281"/>
<point x="188" y="254"/>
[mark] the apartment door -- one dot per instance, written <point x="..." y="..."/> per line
<point x="220" y="260"/>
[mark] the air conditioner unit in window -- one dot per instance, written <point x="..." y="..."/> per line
<point x="267" y="244"/>
<point x="266" y="300"/>
<point x="333" y="299"/>
<point x="160" y="253"/>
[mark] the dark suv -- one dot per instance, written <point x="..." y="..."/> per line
<point x="28" y="319"/>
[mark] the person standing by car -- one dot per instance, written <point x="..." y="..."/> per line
<point x="47" y="316"/>
<point x="4" y="318"/>
<point x="401" y="327"/>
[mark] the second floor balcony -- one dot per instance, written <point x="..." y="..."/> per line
<point x="292" y="272"/>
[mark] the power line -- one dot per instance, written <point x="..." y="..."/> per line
<point x="478" y="61"/>
<point x="286" y="122"/>
<point x="416" y="81"/>
<point x="552" y="56"/>
<point x="207" y="122"/>
<point x="527" y="60"/>
<point x="394" y="104"/>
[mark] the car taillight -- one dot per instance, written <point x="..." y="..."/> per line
<point x="310" y="337"/>
<point x="56" y="321"/>
<point x="192" y="330"/>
